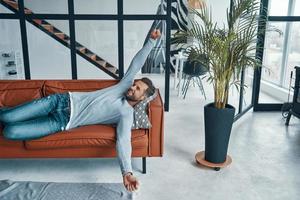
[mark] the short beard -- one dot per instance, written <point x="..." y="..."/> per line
<point x="130" y="98"/>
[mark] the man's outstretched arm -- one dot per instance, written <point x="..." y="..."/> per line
<point x="139" y="60"/>
<point x="123" y="143"/>
<point x="123" y="146"/>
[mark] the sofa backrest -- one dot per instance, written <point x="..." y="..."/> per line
<point x="14" y="92"/>
<point x="61" y="86"/>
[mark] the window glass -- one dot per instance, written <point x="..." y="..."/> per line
<point x="278" y="7"/>
<point x="273" y="52"/>
<point x="272" y="70"/>
<point x="293" y="52"/>
<point x="49" y="58"/>
<point x="297" y="8"/>
<point x="97" y="42"/>
<point x="46" y="6"/>
<point x="95" y="7"/>
<point x="143" y="7"/>
<point x="4" y="9"/>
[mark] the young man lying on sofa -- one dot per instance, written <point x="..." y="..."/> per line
<point x="113" y="105"/>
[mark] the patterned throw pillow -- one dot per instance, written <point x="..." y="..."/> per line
<point x="140" y="117"/>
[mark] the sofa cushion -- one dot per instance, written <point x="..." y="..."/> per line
<point x="86" y="136"/>
<point x="140" y="114"/>
<point x="53" y="86"/>
<point x="15" y="92"/>
<point x="9" y="143"/>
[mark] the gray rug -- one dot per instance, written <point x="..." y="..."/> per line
<point x="26" y="190"/>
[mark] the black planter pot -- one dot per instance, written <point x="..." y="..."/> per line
<point x="218" y="124"/>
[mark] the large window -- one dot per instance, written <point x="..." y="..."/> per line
<point x="273" y="53"/>
<point x="71" y="39"/>
<point x="76" y="36"/>
<point x="281" y="50"/>
<point x="281" y="53"/>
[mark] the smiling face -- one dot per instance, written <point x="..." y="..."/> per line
<point x="137" y="91"/>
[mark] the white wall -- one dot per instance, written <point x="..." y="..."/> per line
<point x="10" y="34"/>
<point x="48" y="58"/>
<point x="135" y="33"/>
<point x="101" y="37"/>
<point x="219" y="10"/>
<point x="10" y="43"/>
<point x="95" y="7"/>
<point x="46" y="6"/>
<point x="62" y="25"/>
<point x="140" y="6"/>
<point x="86" y="70"/>
<point x="4" y="10"/>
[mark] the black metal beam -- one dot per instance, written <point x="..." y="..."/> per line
<point x="167" y="68"/>
<point x="268" y="107"/>
<point x="284" y="18"/>
<point x="120" y="39"/>
<point x="144" y="164"/>
<point x="95" y="17"/>
<point x="67" y="16"/>
<point x="241" y="91"/>
<point x="8" y="16"/>
<point x="259" y="52"/>
<point x="50" y="16"/>
<point x="145" y="17"/>
<point x="24" y="39"/>
<point x="72" y="39"/>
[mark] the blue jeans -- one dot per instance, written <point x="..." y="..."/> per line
<point x="36" y="118"/>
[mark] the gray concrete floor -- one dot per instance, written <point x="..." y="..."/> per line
<point x="265" y="153"/>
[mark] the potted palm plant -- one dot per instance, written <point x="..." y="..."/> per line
<point x="225" y="51"/>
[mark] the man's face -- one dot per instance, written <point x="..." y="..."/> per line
<point x="137" y="91"/>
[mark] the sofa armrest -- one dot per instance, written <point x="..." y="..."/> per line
<point x="156" y="132"/>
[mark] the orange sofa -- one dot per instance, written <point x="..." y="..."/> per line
<point x="82" y="142"/>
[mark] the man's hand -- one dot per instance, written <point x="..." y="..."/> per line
<point x="130" y="182"/>
<point x="155" y="34"/>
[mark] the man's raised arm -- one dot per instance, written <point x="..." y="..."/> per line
<point x="139" y="59"/>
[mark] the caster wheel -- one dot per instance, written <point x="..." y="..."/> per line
<point x="217" y="168"/>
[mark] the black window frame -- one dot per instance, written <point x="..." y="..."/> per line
<point x="259" y="53"/>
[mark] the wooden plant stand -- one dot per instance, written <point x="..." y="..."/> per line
<point x="216" y="166"/>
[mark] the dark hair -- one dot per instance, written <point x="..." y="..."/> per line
<point x="151" y="89"/>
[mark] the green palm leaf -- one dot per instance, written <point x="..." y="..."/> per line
<point x="227" y="50"/>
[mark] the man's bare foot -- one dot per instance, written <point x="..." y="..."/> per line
<point x="130" y="182"/>
<point x="155" y="34"/>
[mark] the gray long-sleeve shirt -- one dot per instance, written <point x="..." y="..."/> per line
<point x="108" y="106"/>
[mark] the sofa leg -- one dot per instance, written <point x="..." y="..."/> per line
<point x="144" y="165"/>
<point x="288" y="119"/>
